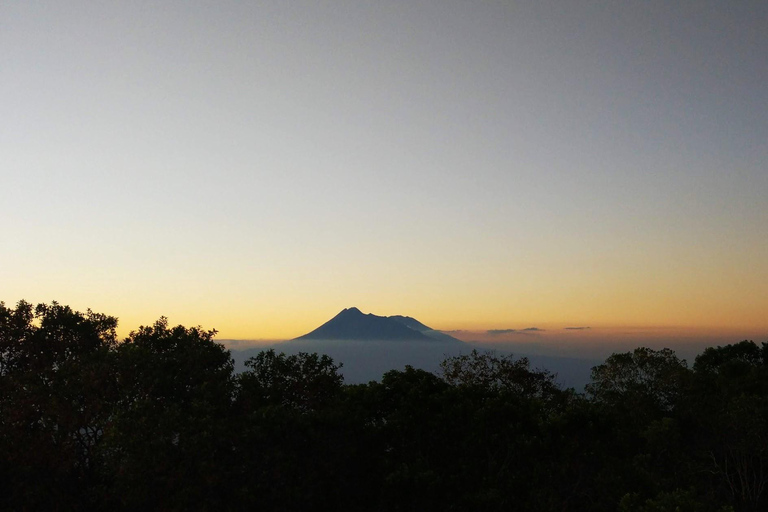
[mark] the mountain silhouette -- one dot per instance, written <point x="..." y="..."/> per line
<point x="414" y="324"/>
<point x="352" y="324"/>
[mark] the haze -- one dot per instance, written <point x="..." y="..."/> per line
<point x="256" y="167"/>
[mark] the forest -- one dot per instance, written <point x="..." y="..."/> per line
<point x="160" y="421"/>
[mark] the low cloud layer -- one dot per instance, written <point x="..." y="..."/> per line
<point x="576" y="328"/>
<point x="499" y="332"/>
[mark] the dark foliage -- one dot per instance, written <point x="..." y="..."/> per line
<point x="160" y="421"/>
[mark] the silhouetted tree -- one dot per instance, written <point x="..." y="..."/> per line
<point x="506" y="374"/>
<point x="298" y="447"/>
<point x="169" y="445"/>
<point x="159" y="421"/>
<point x="304" y="382"/>
<point x="56" y="390"/>
<point x="644" y="383"/>
<point x="729" y="405"/>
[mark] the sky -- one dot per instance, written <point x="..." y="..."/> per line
<point x="255" y="167"/>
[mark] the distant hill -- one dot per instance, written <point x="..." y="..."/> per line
<point x="353" y="324"/>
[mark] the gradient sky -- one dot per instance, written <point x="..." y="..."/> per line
<point x="255" y="167"/>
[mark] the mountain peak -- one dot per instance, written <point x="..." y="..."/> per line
<point x="353" y="324"/>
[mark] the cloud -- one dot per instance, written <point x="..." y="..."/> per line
<point x="499" y="332"/>
<point x="576" y="328"/>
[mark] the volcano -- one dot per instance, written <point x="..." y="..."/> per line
<point x="353" y="324"/>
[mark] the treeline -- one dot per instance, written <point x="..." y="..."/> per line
<point x="160" y="421"/>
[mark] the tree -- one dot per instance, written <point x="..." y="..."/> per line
<point x="498" y="374"/>
<point x="644" y="383"/>
<point x="640" y="393"/>
<point x="56" y="391"/>
<point x="304" y="382"/>
<point x="169" y="444"/>
<point x="294" y="443"/>
<point x="729" y="404"/>
<point x="677" y="500"/>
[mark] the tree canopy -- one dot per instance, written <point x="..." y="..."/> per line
<point x="160" y="420"/>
